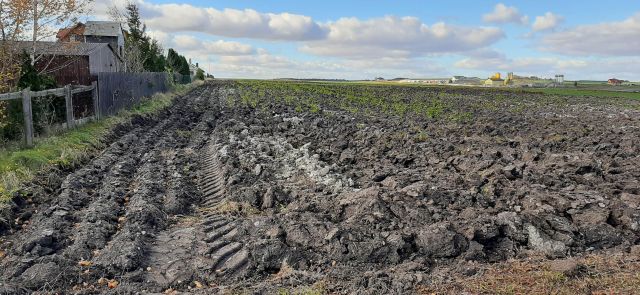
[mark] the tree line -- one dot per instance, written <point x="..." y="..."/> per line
<point x="143" y="53"/>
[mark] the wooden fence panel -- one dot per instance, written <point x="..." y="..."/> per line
<point x="117" y="91"/>
<point x="28" y="117"/>
<point x="27" y="95"/>
<point x="110" y="94"/>
<point x="68" y="100"/>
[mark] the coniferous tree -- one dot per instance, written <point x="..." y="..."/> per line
<point x="145" y="53"/>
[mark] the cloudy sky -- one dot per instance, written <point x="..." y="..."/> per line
<point x="363" y="39"/>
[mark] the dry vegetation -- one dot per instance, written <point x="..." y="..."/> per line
<point x="607" y="273"/>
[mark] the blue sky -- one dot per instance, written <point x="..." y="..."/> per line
<point x="365" y="39"/>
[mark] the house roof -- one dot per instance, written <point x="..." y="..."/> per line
<point x="61" y="48"/>
<point x="79" y="28"/>
<point x="103" y="28"/>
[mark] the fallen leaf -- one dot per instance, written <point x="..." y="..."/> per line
<point x="84" y="263"/>
<point x="102" y="281"/>
<point x="197" y="284"/>
<point x="112" y="284"/>
<point x="2" y="254"/>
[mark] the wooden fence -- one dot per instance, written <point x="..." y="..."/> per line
<point x="68" y="91"/>
<point x="111" y="93"/>
<point x="181" y="79"/>
<point x="117" y="91"/>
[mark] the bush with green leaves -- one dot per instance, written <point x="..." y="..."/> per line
<point x="46" y="110"/>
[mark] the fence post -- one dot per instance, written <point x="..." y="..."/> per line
<point x="28" y="116"/>
<point x="68" y="99"/>
<point x="96" y="101"/>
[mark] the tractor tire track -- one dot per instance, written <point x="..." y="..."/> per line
<point x="202" y="247"/>
<point x="229" y="256"/>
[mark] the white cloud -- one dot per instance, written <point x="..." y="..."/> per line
<point x="247" y="23"/>
<point x="161" y="36"/>
<point x="548" y="21"/>
<point x="263" y="64"/>
<point x="392" y="36"/>
<point x="388" y="36"/>
<point x="620" y="38"/>
<point x="502" y="14"/>
<point x="100" y="8"/>
<point x="527" y="64"/>
<point x="220" y="47"/>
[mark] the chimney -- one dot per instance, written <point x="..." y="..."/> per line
<point x="197" y="65"/>
<point x="189" y="61"/>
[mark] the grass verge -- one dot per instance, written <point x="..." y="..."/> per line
<point x="617" y="273"/>
<point x="67" y="149"/>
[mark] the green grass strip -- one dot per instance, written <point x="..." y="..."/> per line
<point x="18" y="165"/>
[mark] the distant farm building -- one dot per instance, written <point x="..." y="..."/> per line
<point x="462" y="80"/>
<point x="193" y="70"/>
<point x="509" y="79"/>
<point x="614" y="81"/>
<point x="72" y="62"/>
<point x="559" y="79"/>
<point x="494" y="80"/>
<point x="434" y="81"/>
<point x="95" y="32"/>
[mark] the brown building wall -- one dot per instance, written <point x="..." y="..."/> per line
<point x="65" y="70"/>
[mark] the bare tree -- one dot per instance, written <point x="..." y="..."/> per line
<point x="133" y="58"/>
<point x="132" y="55"/>
<point x="45" y="16"/>
<point x="12" y="23"/>
<point x="12" y="18"/>
<point x="116" y="13"/>
<point x="142" y="53"/>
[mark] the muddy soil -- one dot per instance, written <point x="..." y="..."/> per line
<point x="214" y="196"/>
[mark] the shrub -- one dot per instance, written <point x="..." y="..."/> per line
<point x="46" y="110"/>
<point x="200" y="74"/>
